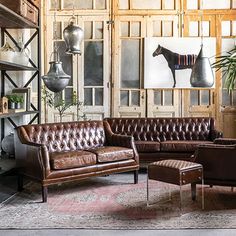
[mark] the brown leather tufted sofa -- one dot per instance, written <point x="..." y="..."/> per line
<point x="60" y="152"/>
<point x="166" y="138"/>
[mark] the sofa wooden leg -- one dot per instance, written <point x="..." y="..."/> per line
<point x="44" y="193"/>
<point x="136" y="176"/>
<point x="193" y="190"/>
<point x="20" y="183"/>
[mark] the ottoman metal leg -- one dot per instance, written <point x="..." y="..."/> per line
<point x="203" y="203"/>
<point x="147" y="193"/>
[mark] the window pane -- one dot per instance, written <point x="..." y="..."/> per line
<point x="192" y="4"/>
<point x="135" y="29"/>
<point x="194" y="98"/>
<point x="98" y="96"/>
<point x="157" y="28"/>
<point x="135" y="98"/>
<point x="124" y="98"/>
<point x="68" y="95"/>
<point x="130" y="54"/>
<point x="78" y="4"/>
<point x="225" y="27"/>
<point x="157" y="97"/>
<point x="193" y="28"/>
<point x="211" y="4"/>
<point x="234" y="98"/>
<point x="88" y="29"/>
<point x="88" y="96"/>
<point x="205" y="97"/>
<point x="146" y="4"/>
<point x="124" y="4"/>
<point x="167" y="28"/>
<point x="124" y="29"/>
<point x="234" y="28"/>
<point x="93" y="64"/>
<point x="99" y="30"/>
<point x="57" y="34"/>
<point x="100" y="4"/>
<point x="206" y="28"/>
<point x="168" y="98"/>
<point x="55" y="4"/>
<point x="66" y="59"/>
<point x="169" y="4"/>
<point x="225" y="98"/>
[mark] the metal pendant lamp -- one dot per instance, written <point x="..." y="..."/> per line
<point x="73" y="35"/>
<point x="56" y="79"/>
<point x="202" y="74"/>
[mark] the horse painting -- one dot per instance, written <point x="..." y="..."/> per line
<point x="175" y="61"/>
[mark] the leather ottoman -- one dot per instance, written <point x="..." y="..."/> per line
<point x="177" y="172"/>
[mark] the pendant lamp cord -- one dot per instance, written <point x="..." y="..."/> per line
<point x="55" y="47"/>
<point x="201" y="24"/>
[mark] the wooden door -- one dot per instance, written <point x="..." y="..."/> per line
<point x="226" y="32"/>
<point x="128" y="94"/>
<point x="93" y="81"/>
<point x="69" y="64"/>
<point x="163" y="102"/>
<point x="198" y="102"/>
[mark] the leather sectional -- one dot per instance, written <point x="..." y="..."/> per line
<point x="61" y="152"/>
<point x="166" y="138"/>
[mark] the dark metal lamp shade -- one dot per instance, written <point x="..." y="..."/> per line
<point x="56" y="79"/>
<point x="73" y="35"/>
<point x="202" y="75"/>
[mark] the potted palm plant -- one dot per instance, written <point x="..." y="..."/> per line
<point x="228" y="65"/>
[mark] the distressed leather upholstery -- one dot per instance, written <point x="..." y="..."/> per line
<point x="166" y="138"/>
<point x="60" y="152"/>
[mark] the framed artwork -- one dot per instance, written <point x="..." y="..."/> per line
<point x="25" y="92"/>
<point x="168" y="61"/>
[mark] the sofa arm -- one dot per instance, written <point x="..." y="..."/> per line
<point x="32" y="159"/>
<point x="225" y="141"/>
<point x="120" y="140"/>
<point x="216" y="134"/>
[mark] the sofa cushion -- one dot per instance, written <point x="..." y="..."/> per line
<point x="71" y="159"/>
<point x="111" y="154"/>
<point x="181" y="146"/>
<point x="147" y="146"/>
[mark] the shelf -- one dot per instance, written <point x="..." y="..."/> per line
<point x="5" y="115"/>
<point x="4" y="65"/>
<point x="10" y="19"/>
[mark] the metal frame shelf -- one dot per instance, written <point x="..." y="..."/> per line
<point x="11" y="20"/>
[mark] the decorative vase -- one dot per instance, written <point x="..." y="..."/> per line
<point x="17" y="105"/>
<point x="11" y="105"/>
<point x="8" y="144"/>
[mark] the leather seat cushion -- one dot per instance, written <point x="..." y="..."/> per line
<point x="181" y="145"/>
<point x="147" y="146"/>
<point x="111" y="154"/>
<point x="71" y="159"/>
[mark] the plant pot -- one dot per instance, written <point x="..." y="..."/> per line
<point x="11" y="105"/>
<point x="17" y="105"/>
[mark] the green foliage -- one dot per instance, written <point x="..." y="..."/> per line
<point x="14" y="98"/>
<point x="228" y="65"/>
<point x="54" y="100"/>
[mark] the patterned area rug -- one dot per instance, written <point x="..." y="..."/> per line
<point x="114" y="202"/>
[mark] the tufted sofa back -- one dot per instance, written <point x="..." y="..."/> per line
<point x="64" y="136"/>
<point x="162" y="129"/>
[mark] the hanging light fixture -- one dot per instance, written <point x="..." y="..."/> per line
<point x="202" y="75"/>
<point x="56" y="79"/>
<point x="73" y="35"/>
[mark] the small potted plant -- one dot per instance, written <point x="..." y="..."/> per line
<point x="11" y="101"/>
<point x="14" y="101"/>
<point x="18" y="101"/>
